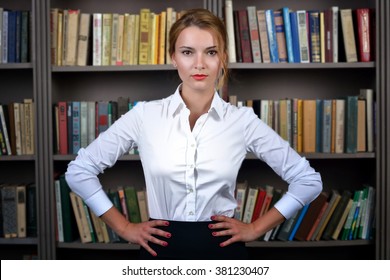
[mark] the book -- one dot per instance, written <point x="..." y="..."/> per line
<point x="339" y="227"/>
<point x="287" y="227"/>
<point x="288" y="34"/>
<point x="280" y="36"/>
<point x="339" y="125"/>
<point x="368" y="96"/>
<point x="348" y="32"/>
<point x="303" y="36"/>
<point x="363" y="26"/>
<point x="254" y="34"/>
<point x="81" y="219"/>
<point x="144" y="41"/>
<point x="335" y="32"/>
<point x="68" y="217"/>
<point x="351" y="116"/>
<point x="334" y="201"/>
<point x="71" y="37"/>
<point x="244" y="36"/>
<point x="143" y="205"/>
<point x="264" y="46"/>
<point x="106" y="39"/>
<point x="311" y="216"/>
<point x="31" y="210"/>
<point x="297" y="224"/>
<point x="295" y="37"/>
<point x="229" y="22"/>
<point x="336" y="216"/>
<point x="361" y="126"/>
<point x="21" y="209"/>
<point x="60" y="226"/>
<point x="4" y="129"/>
<point x="9" y="210"/>
<point x="250" y="204"/>
<point x="258" y="204"/>
<point x="83" y="39"/>
<point x="309" y="109"/>
<point x="314" y="36"/>
<point x="271" y="32"/>
<point x="97" y="26"/>
<point x="132" y="204"/>
<point x="241" y="191"/>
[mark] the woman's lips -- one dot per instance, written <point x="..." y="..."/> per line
<point x="199" y="77"/>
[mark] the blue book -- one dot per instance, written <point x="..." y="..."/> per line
<point x="11" y="37"/>
<point x="271" y="31"/>
<point x="319" y="115"/>
<point x="76" y="143"/>
<point x="314" y="36"/>
<point x="295" y="37"/>
<point x="298" y="222"/>
<point x="351" y="124"/>
<point x="288" y="33"/>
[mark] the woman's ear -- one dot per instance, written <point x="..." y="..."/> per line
<point x="173" y="60"/>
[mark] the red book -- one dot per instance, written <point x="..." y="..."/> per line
<point x="328" y="20"/>
<point x="245" y="36"/>
<point x="363" y="28"/>
<point x="259" y="204"/>
<point x="63" y="128"/>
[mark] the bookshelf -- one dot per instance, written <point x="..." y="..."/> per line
<point x="48" y="84"/>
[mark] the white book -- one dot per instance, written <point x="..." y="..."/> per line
<point x="303" y="37"/>
<point x="83" y="39"/>
<point x="83" y="124"/>
<point x="230" y="30"/>
<point x="348" y="31"/>
<point x="264" y="105"/>
<point x="335" y="25"/>
<point x="91" y="125"/>
<point x="97" y="40"/>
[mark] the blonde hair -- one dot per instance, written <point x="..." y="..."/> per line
<point x="203" y="19"/>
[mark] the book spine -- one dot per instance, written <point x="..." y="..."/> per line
<point x="272" y="41"/>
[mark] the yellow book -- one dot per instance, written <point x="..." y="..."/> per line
<point x="322" y="36"/>
<point x="83" y="39"/>
<point x="170" y="20"/>
<point x="135" y="34"/>
<point x="59" y="37"/>
<point x="144" y="38"/>
<point x="71" y="37"/>
<point x="309" y="126"/>
<point x="126" y="42"/>
<point x="114" y="38"/>
<point x="300" y="126"/>
<point x="120" y="38"/>
<point x="162" y="34"/>
<point x="153" y="38"/>
<point x="106" y="38"/>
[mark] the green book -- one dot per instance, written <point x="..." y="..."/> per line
<point x="132" y="204"/>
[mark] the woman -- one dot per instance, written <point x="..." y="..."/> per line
<point x="191" y="145"/>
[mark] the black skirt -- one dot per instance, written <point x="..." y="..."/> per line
<point x="194" y="241"/>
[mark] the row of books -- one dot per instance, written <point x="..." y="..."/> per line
<point x="17" y="128"/>
<point x="342" y="125"/>
<point x="75" y="220"/>
<point x="97" y="39"/>
<point x="14" y="36"/>
<point x="78" y="123"/>
<point x="18" y="213"/>
<point x="331" y="216"/>
<point x="301" y="36"/>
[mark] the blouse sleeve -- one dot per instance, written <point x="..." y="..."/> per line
<point x="103" y="152"/>
<point x="305" y="183"/>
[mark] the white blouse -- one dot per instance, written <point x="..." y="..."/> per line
<point x="191" y="175"/>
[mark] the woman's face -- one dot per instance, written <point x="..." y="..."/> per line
<point x="196" y="58"/>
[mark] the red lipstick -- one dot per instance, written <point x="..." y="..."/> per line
<point x="199" y="77"/>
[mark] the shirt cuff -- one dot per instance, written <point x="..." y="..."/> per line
<point x="99" y="203"/>
<point x="288" y="206"/>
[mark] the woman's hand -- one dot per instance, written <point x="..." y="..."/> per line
<point x="229" y="226"/>
<point x="242" y="231"/>
<point x="142" y="233"/>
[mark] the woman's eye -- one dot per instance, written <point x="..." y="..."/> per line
<point x="186" y="52"/>
<point x="212" y="53"/>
